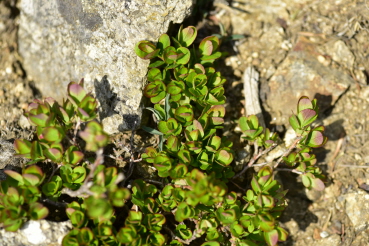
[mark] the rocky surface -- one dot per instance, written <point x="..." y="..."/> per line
<point x="304" y="72"/>
<point x="65" y="40"/>
<point x="38" y="233"/>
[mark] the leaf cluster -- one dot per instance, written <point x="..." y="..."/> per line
<point x="192" y="197"/>
<point x="19" y="198"/>
<point x="22" y="196"/>
<point x="194" y="161"/>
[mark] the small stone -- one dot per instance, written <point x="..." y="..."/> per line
<point x="23" y="122"/>
<point x="32" y="231"/>
<point x="289" y="136"/>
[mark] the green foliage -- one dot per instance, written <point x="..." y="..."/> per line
<point x="191" y="198"/>
<point x="19" y="198"/>
<point x="196" y="163"/>
<point x="57" y="128"/>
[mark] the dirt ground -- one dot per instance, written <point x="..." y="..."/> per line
<point x="271" y="30"/>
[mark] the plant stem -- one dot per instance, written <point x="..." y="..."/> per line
<point x="289" y="170"/>
<point x="84" y="190"/>
<point x="253" y="159"/>
<point x="287" y="152"/>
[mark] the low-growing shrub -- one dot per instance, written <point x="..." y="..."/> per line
<point x="195" y="197"/>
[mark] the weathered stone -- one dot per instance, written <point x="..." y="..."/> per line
<point x="357" y="209"/>
<point x="40" y="233"/>
<point x="340" y="53"/>
<point x="65" y="40"/>
<point x="301" y="74"/>
<point x="7" y="156"/>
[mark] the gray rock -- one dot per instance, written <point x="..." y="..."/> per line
<point x="303" y="74"/>
<point x="41" y="233"/>
<point x="357" y="209"/>
<point x="64" y="40"/>
<point x="7" y="156"/>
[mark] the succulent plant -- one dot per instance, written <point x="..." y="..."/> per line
<point x="194" y="195"/>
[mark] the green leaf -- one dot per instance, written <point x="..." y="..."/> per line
<point x="267" y="222"/>
<point x="163" y="42"/>
<point x="157" y="63"/>
<point x="172" y="144"/>
<point x="157" y="239"/>
<point x="31" y="194"/>
<point x="271" y="237"/>
<point x="12" y="224"/>
<point x="76" y="93"/>
<point x="94" y="136"/>
<point x="36" y="151"/>
<point x="282" y="234"/>
<point x="255" y="185"/>
<point x="101" y="208"/>
<point x="224" y="157"/>
<point x="179" y="171"/>
<point x="210" y="243"/>
<point x="187" y="35"/>
<point x="85" y="236"/>
<point x="183" y="232"/>
<point x="315" y="138"/>
<point x="127" y="234"/>
<point x="53" y="134"/>
<point x="22" y="148"/>
<point x="18" y="177"/>
<point x="37" y="211"/>
<point x="170" y="127"/>
<point x="304" y="103"/>
<point x="53" y="154"/>
<point x="119" y="196"/>
<point x="77" y="217"/>
<point x="153" y="89"/>
<point x="184" y="211"/>
<point x="73" y="156"/>
<point x="13" y="198"/>
<point x="175" y="87"/>
<point x="154" y="74"/>
<point x="170" y="55"/>
<point x="306" y="117"/>
<point x="317" y="184"/>
<point x="150" y="154"/>
<point x="134" y="218"/>
<point x="154" y="221"/>
<point x="184" y="55"/>
<point x="71" y="238"/>
<point x="185" y="156"/>
<point x="226" y="216"/>
<point x="152" y="131"/>
<point x="38" y="120"/>
<point x="66" y="173"/>
<point x="184" y="114"/>
<point x="214" y="56"/>
<point x="231" y="198"/>
<point x="79" y="174"/>
<point x="237" y="230"/>
<point x="53" y="186"/>
<point x="158" y="112"/>
<point x="163" y="164"/>
<point x="31" y="180"/>
<point x="146" y="50"/>
<point x="208" y="45"/>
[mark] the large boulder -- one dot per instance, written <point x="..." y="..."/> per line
<point x="66" y="40"/>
